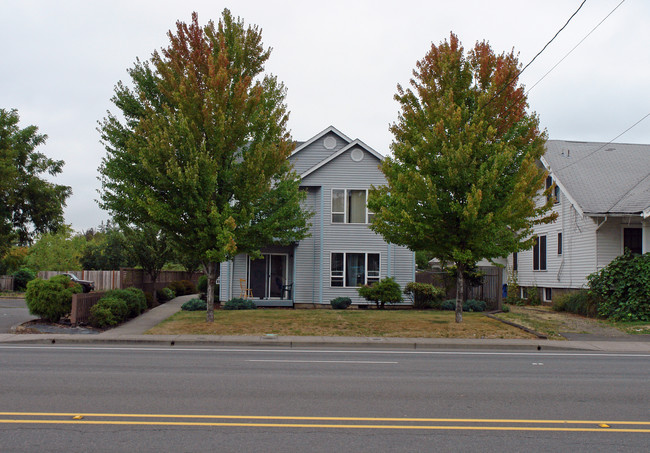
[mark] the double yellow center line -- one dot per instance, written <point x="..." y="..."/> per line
<point x="263" y="421"/>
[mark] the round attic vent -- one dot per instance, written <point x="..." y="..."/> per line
<point x="329" y="142"/>
<point x="356" y="155"/>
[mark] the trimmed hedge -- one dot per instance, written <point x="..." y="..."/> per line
<point x="340" y="303"/>
<point x="51" y="299"/>
<point x="239" y="304"/>
<point x="134" y="298"/>
<point x="195" y="305"/>
<point x="109" y="311"/>
<point x="386" y="290"/>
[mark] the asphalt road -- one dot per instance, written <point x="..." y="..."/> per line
<point x="217" y="399"/>
<point x="13" y="312"/>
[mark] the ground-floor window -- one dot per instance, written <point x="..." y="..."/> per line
<point x="632" y="240"/>
<point x="539" y="254"/>
<point x="352" y="269"/>
<point x="548" y="294"/>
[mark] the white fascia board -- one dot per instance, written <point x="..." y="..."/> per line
<point x="324" y="162"/>
<point x="558" y="182"/>
<point x="319" y="135"/>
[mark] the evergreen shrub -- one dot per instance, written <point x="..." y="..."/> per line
<point x="21" y="277"/>
<point x="469" y="305"/>
<point x="194" y="305"/>
<point x="340" y="303"/>
<point x="424" y="295"/>
<point x="134" y="298"/>
<point x="386" y="290"/>
<point x="109" y="311"/>
<point x="239" y="304"/>
<point x="51" y="299"/>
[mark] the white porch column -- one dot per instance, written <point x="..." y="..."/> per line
<point x="645" y="236"/>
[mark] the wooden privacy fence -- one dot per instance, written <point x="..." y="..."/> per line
<point x="491" y="291"/>
<point x="6" y="283"/>
<point x="104" y="280"/>
<point x="81" y="305"/>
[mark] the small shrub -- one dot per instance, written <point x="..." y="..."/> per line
<point x="505" y="308"/>
<point x="109" y="311"/>
<point x="188" y="287"/>
<point x="386" y="290"/>
<point x="101" y="316"/>
<point x="469" y="305"/>
<point x="194" y="305"/>
<point x="21" y="277"/>
<point x="177" y="287"/>
<point x="579" y="302"/>
<point x="165" y="294"/>
<point x="533" y="296"/>
<point x="424" y="295"/>
<point x="134" y="298"/>
<point x="51" y="299"/>
<point x="239" y="304"/>
<point x="474" y="305"/>
<point x="340" y="303"/>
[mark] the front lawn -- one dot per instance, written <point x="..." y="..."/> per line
<point x="352" y="323"/>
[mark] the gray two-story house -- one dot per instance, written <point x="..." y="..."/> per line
<point x="341" y="253"/>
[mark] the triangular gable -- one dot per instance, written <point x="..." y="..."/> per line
<point x="319" y="136"/>
<point x="356" y="142"/>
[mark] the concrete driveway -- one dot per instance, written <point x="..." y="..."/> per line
<point x="12" y="312"/>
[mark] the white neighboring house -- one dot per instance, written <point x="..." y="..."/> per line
<point x="603" y="203"/>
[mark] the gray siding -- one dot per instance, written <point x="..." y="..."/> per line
<point x="312" y="284"/>
<point x="316" y="152"/>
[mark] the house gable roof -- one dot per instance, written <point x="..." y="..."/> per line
<point x="355" y="143"/>
<point x="601" y="178"/>
<point x="320" y="135"/>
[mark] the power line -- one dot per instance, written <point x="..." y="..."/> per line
<point x="602" y="146"/>
<point x="514" y="78"/>
<point x="574" y="48"/>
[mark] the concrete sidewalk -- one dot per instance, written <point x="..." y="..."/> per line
<point x="132" y="332"/>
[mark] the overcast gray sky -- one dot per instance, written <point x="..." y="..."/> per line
<point x="340" y="60"/>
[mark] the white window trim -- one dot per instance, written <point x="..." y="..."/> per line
<point x="345" y="267"/>
<point x="623" y="228"/>
<point x="368" y="213"/>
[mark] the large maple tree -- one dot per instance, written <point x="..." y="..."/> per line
<point x="201" y="151"/>
<point x="464" y="172"/>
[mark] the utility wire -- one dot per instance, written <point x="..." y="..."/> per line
<point x="601" y="147"/>
<point x="514" y="78"/>
<point x="574" y="48"/>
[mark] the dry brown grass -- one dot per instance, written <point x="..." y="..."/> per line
<point x="353" y="323"/>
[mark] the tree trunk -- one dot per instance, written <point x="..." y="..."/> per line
<point x="211" y="272"/>
<point x="460" y="288"/>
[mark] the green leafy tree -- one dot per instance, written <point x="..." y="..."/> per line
<point x="463" y="177"/>
<point x="61" y="251"/>
<point x="202" y="150"/>
<point x="29" y="205"/>
<point x="149" y="248"/>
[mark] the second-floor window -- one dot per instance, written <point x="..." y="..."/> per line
<point x="349" y="206"/>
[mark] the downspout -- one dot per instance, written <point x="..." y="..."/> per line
<point x="597" y="229"/>
<point x="390" y="246"/>
<point x="320" y="278"/>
